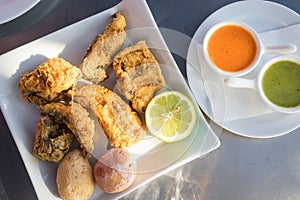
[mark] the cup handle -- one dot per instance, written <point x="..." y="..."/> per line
<point x="282" y="49"/>
<point x="235" y="82"/>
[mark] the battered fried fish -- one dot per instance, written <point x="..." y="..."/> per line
<point x="52" y="140"/>
<point x="138" y="75"/>
<point x="100" y="53"/>
<point x="52" y="81"/>
<point x="76" y="118"/>
<point x="120" y="123"/>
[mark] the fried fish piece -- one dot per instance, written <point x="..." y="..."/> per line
<point x="52" y="140"/>
<point x="101" y="51"/>
<point x="138" y="75"/>
<point x="121" y="124"/>
<point x="65" y="96"/>
<point x="76" y="118"/>
<point x="53" y="80"/>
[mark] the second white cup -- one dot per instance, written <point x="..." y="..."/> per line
<point x="278" y="83"/>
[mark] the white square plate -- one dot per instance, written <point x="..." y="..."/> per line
<point x="70" y="43"/>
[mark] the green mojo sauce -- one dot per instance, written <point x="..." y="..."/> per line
<point x="281" y="83"/>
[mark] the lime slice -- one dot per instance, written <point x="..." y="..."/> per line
<point x="170" y="116"/>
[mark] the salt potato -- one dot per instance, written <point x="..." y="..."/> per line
<point x="115" y="170"/>
<point x="74" y="177"/>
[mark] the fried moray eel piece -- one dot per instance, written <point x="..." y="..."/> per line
<point x="53" y="80"/>
<point x="52" y="140"/>
<point x="66" y="96"/>
<point x="101" y="51"/>
<point x="121" y="124"/>
<point x="76" y="118"/>
<point x="138" y="75"/>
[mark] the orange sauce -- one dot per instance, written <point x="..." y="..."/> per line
<point x="232" y="48"/>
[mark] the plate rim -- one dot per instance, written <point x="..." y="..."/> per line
<point x="12" y="14"/>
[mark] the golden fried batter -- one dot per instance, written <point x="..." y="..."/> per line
<point x="52" y="140"/>
<point x="66" y="96"/>
<point x="76" y="118"/>
<point x="99" y="55"/>
<point x="53" y="80"/>
<point x="120" y="123"/>
<point x="138" y="75"/>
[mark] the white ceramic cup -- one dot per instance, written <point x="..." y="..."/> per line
<point x="256" y="84"/>
<point x="261" y="49"/>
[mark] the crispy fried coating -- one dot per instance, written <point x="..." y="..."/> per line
<point x="138" y="75"/>
<point x="76" y="118"/>
<point x="52" y="140"/>
<point x="53" y="80"/>
<point x="65" y="96"/>
<point x="121" y="124"/>
<point x="101" y="51"/>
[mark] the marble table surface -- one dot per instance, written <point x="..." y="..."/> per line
<point x="242" y="168"/>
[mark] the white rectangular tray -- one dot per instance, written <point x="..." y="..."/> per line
<point x="70" y="43"/>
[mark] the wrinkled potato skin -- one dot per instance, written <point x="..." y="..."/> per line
<point x="115" y="170"/>
<point x="75" y="178"/>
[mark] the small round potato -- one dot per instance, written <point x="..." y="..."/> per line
<point x="115" y="170"/>
<point x="74" y="177"/>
